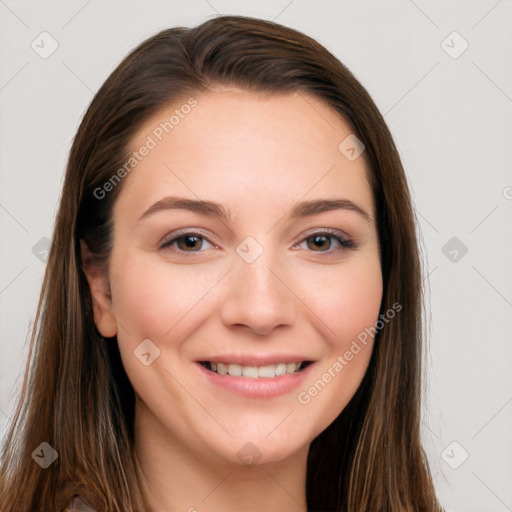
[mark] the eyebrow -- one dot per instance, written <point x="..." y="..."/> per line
<point x="211" y="208"/>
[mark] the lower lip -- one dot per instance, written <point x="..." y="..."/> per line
<point x="263" y="387"/>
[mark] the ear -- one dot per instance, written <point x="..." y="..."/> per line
<point x="99" y="287"/>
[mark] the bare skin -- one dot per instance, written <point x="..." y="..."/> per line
<point x="259" y="156"/>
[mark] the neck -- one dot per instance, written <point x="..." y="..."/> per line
<point x="177" y="478"/>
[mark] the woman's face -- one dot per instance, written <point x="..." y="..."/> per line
<point x="275" y="280"/>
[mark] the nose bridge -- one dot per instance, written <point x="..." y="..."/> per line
<point x="257" y="295"/>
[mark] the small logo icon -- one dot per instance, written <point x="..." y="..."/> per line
<point x="249" y="454"/>
<point x="44" y="455"/>
<point x="455" y="455"/>
<point x="249" y="249"/>
<point x="351" y="147"/>
<point x="44" y="45"/>
<point x="454" y="45"/>
<point x="454" y="249"/>
<point x="146" y="352"/>
<point x="40" y="249"/>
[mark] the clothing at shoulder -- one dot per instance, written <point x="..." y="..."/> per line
<point x="79" y="504"/>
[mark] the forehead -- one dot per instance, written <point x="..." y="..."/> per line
<point x="235" y="146"/>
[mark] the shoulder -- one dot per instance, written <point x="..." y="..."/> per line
<point x="79" y="504"/>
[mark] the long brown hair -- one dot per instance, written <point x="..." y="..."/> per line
<point x="76" y="395"/>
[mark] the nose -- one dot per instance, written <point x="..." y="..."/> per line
<point x="259" y="296"/>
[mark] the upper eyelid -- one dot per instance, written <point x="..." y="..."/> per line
<point x="326" y="231"/>
<point x="171" y="237"/>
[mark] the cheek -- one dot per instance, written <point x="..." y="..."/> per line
<point x="348" y="303"/>
<point x="346" y="300"/>
<point x="153" y="300"/>
<point x="159" y="302"/>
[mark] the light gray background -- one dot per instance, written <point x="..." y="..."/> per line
<point x="450" y="117"/>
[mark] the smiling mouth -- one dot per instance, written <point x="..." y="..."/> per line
<point x="255" y="372"/>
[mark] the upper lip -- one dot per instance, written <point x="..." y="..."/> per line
<point x="255" y="359"/>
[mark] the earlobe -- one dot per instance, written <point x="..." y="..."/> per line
<point x="99" y="287"/>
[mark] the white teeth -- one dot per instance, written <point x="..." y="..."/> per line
<point x="250" y="371"/>
<point x="267" y="371"/>
<point x="222" y="368"/>
<point x="235" y="369"/>
<point x="280" y="369"/>
<point x="254" y="372"/>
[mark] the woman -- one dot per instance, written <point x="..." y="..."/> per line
<point x="231" y="311"/>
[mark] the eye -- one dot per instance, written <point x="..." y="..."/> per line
<point x="187" y="241"/>
<point x="323" y="240"/>
<point x="192" y="242"/>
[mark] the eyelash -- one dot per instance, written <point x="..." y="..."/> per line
<point x="345" y="243"/>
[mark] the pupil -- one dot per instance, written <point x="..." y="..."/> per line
<point x="318" y="240"/>
<point x="190" y="244"/>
